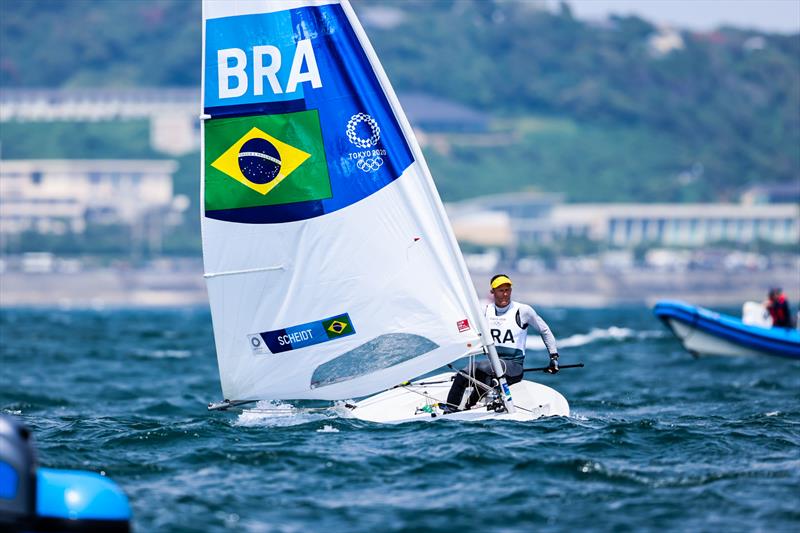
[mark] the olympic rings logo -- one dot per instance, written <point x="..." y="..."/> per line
<point x="361" y="142"/>
<point x="370" y="164"/>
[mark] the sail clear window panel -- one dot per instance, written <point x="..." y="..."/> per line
<point x="379" y="353"/>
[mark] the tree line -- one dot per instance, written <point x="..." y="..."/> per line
<point x="700" y="122"/>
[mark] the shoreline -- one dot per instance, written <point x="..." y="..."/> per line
<point x="164" y="288"/>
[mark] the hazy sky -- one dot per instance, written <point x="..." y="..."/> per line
<point x="767" y="15"/>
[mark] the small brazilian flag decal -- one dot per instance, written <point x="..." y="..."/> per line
<point x="338" y="326"/>
<point x="301" y="335"/>
<point x="265" y="160"/>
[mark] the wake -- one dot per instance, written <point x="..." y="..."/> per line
<point x="596" y="334"/>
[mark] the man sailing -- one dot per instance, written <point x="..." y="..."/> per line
<point x="508" y="323"/>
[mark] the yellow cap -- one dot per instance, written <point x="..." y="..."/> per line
<point x="501" y="280"/>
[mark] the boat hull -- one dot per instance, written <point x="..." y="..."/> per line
<point x="707" y="333"/>
<point x="408" y="403"/>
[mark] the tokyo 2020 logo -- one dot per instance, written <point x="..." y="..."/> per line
<point x="363" y="131"/>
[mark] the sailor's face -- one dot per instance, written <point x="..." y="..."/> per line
<point x="502" y="295"/>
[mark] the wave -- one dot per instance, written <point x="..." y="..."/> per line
<point x="163" y="354"/>
<point x="613" y="333"/>
<point x="273" y="413"/>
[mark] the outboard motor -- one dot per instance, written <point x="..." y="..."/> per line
<point x="44" y="499"/>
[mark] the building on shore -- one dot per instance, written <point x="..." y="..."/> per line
<point x="773" y="193"/>
<point x="63" y="196"/>
<point x="534" y="218"/>
<point x="173" y="112"/>
<point x="628" y="225"/>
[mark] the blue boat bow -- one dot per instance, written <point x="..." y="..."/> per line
<point x="706" y="332"/>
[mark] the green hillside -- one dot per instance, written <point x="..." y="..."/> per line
<point x="591" y="110"/>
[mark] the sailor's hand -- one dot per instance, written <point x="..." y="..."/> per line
<point x="553" y="368"/>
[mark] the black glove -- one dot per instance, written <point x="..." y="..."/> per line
<point x="553" y="368"/>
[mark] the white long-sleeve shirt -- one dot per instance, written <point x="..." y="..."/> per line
<point x="510" y="332"/>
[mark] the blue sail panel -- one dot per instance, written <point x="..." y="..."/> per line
<point x="287" y="62"/>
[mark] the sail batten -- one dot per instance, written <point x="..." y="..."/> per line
<point x="331" y="268"/>
<point x="245" y="271"/>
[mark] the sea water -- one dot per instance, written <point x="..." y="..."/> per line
<point x="656" y="439"/>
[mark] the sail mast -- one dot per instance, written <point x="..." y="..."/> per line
<point x="454" y="250"/>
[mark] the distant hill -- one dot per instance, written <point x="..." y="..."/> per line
<point x="601" y="112"/>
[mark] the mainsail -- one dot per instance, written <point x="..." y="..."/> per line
<point x="332" y="270"/>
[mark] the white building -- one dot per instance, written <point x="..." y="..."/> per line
<point x="679" y="224"/>
<point x="172" y="113"/>
<point x="539" y="218"/>
<point x="59" y="196"/>
<point x="665" y="41"/>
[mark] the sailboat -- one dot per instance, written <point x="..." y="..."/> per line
<point x="331" y="267"/>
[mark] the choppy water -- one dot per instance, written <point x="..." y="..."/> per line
<point x="657" y="441"/>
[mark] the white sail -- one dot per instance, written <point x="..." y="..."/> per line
<point x="332" y="271"/>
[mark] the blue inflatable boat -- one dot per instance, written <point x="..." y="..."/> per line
<point x="34" y="499"/>
<point x="705" y="332"/>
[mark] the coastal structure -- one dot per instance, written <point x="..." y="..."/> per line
<point x="61" y="196"/>
<point x="627" y="225"/>
<point x="173" y="112"/>
<point x="535" y="218"/>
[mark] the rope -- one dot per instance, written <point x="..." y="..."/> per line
<point x="428" y="396"/>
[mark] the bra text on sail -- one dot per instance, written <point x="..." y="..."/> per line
<point x="232" y="74"/>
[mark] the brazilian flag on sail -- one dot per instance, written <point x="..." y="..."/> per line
<point x="338" y="326"/>
<point x="265" y="160"/>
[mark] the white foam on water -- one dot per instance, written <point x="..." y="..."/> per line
<point x="340" y="409"/>
<point x="171" y="354"/>
<point x="164" y="354"/>
<point x="327" y="428"/>
<point x="773" y="413"/>
<point x="273" y="413"/>
<point x="534" y="342"/>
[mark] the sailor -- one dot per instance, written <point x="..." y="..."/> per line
<point x="508" y="324"/>
<point x="778" y="308"/>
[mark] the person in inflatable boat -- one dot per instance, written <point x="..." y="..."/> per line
<point x="778" y="307"/>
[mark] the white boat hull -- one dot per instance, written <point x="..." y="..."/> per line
<point x="417" y="400"/>
<point x="700" y="343"/>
